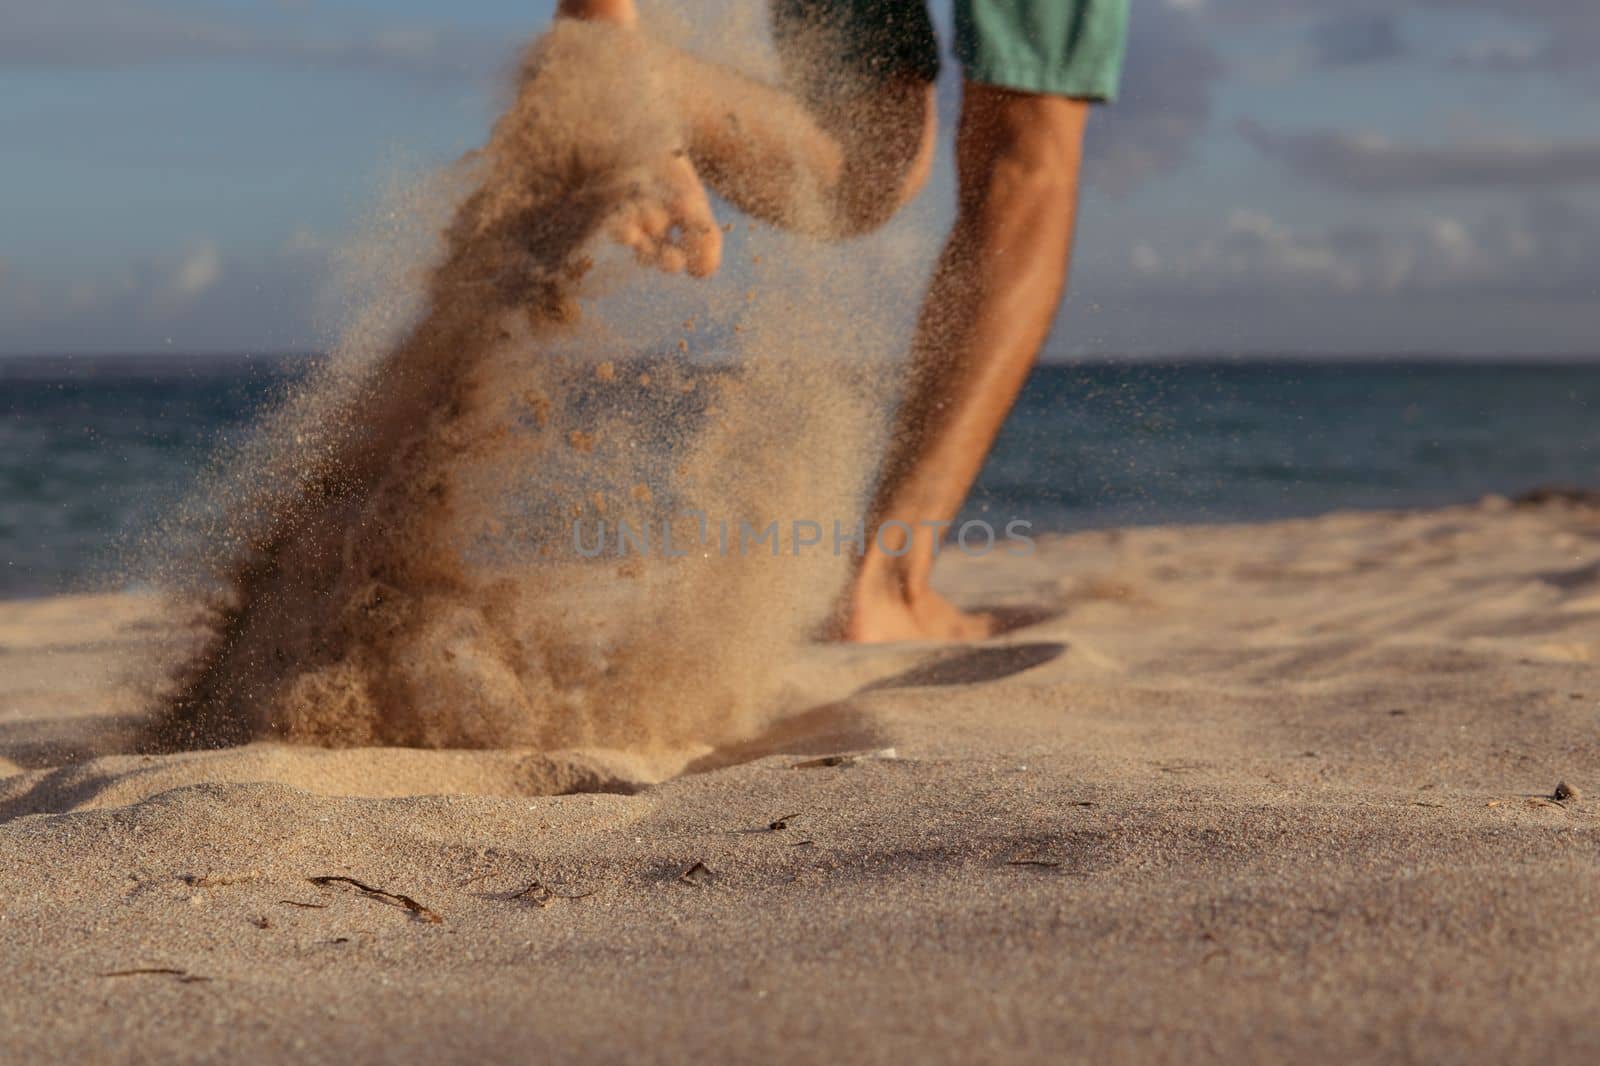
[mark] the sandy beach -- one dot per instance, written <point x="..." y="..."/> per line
<point x="1247" y="793"/>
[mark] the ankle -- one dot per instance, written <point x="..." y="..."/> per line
<point x="891" y="576"/>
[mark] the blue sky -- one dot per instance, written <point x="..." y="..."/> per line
<point x="1280" y="175"/>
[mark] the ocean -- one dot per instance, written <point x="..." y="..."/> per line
<point x="92" y="449"/>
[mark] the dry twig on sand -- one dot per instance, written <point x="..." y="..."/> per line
<point x="417" y="910"/>
<point x="542" y="895"/>
<point x="183" y="976"/>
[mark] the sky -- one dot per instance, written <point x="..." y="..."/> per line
<point x="1277" y="177"/>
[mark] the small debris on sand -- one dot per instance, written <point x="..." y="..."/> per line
<point x="845" y="759"/>
<point x="183" y="976"/>
<point x="417" y="910"/>
<point x="537" y="893"/>
<point x="826" y="760"/>
<point x="697" y="874"/>
<point x="542" y="895"/>
<point x="219" y="880"/>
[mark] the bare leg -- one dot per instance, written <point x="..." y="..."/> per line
<point x="836" y="159"/>
<point x="987" y="312"/>
<point x="860" y="156"/>
<point x="834" y="166"/>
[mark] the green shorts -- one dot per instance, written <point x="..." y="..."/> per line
<point x="1060" y="47"/>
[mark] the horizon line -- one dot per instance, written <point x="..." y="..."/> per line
<point x="1048" y="359"/>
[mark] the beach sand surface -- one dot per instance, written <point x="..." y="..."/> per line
<point x="1274" y="792"/>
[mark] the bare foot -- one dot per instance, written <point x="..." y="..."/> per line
<point x="670" y="225"/>
<point x="883" y="611"/>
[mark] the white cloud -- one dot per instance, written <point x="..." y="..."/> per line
<point x="200" y="269"/>
<point x="196" y="293"/>
<point x="196" y="298"/>
<point x="1545" y="245"/>
<point x="1360" y="161"/>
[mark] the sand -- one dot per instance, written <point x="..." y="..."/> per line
<point x="1274" y="792"/>
<point x="378" y="560"/>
